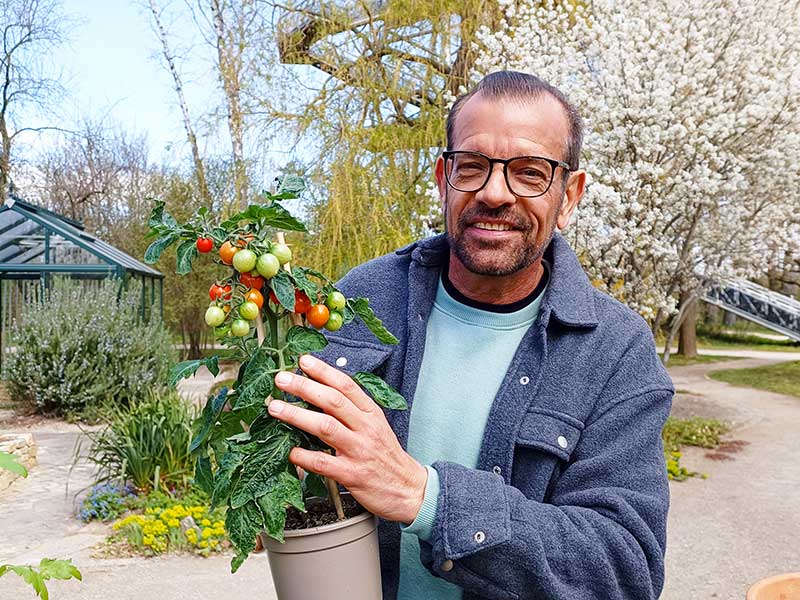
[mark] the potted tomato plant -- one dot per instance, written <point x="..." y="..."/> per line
<point x="269" y="313"/>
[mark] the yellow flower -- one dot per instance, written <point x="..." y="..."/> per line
<point x="207" y="533"/>
<point x="174" y="523"/>
<point x="203" y="544"/>
<point x="205" y="523"/>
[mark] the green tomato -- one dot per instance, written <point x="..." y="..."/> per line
<point x="214" y="316"/>
<point x="335" y="321"/>
<point x="335" y="301"/>
<point x="222" y="331"/>
<point x="249" y="310"/>
<point x="281" y="252"/>
<point x="240" y="328"/>
<point x="244" y="261"/>
<point x="267" y="265"/>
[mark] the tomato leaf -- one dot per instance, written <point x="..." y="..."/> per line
<point x="154" y="250"/>
<point x="303" y="283"/>
<point x="9" y="462"/>
<point x="287" y="490"/>
<point x="261" y="468"/>
<point x="203" y="476"/>
<point x="314" y="485"/>
<point x="374" y="324"/>
<point x="156" y="215"/>
<point x="257" y="382"/>
<point x="383" y="394"/>
<point x="302" y="340"/>
<point x="188" y="368"/>
<point x="186" y="252"/>
<point x="208" y="417"/>
<point x="283" y="287"/>
<point x="349" y="312"/>
<point x="290" y="186"/>
<point x="228" y="465"/>
<point x="270" y="214"/>
<point x="243" y="524"/>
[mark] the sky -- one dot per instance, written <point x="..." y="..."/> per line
<point x="112" y="69"/>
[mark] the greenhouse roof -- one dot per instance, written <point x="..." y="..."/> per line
<point x="36" y="240"/>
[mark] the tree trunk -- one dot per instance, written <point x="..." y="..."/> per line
<point x="729" y="320"/>
<point x="687" y="344"/>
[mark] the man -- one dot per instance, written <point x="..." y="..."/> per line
<point x="530" y="463"/>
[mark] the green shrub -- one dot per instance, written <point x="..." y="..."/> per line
<point x="145" y="443"/>
<point x="83" y="348"/>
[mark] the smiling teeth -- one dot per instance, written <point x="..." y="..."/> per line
<point x="493" y="226"/>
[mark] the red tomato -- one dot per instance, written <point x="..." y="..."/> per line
<point x="204" y="245"/>
<point x="217" y="292"/>
<point x="318" y="315"/>
<point x="255" y="282"/>
<point x="301" y="302"/>
<point x="273" y="298"/>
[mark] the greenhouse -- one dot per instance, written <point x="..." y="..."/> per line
<point x="37" y="246"/>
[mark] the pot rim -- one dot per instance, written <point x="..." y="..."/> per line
<point x="293" y="533"/>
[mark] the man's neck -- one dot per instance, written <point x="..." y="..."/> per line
<point x="491" y="289"/>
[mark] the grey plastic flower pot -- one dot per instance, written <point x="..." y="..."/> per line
<point x="332" y="562"/>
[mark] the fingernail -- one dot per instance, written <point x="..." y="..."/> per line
<point x="307" y="360"/>
<point x="276" y="407"/>
<point x="283" y="377"/>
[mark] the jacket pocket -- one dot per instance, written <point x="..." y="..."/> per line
<point x="352" y="356"/>
<point x="544" y="445"/>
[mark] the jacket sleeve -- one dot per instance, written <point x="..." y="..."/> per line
<point x="601" y="533"/>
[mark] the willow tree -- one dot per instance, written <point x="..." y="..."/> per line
<point x="369" y="84"/>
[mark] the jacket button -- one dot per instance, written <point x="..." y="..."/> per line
<point x="446" y="566"/>
<point x="524" y="380"/>
<point x="497" y="470"/>
<point x="341" y="361"/>
<point x="562" y="441"/>
<point x="479" y="537"/>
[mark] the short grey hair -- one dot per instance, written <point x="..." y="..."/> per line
<point x="523" y="86"/>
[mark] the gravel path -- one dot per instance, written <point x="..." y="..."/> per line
<point x="741" y="523"/>
<point x="725" y="532"/>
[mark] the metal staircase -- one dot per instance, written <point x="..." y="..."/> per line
<point x="758" y="304"/>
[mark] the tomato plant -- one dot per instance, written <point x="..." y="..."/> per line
<point x="235" y="437"/>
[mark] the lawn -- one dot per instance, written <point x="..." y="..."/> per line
<point x="677" y="360"/>
<point x="708" y="337"/>
<point x="783" y="378"/>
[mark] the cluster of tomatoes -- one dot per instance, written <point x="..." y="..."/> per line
<point x="245" y="299"/>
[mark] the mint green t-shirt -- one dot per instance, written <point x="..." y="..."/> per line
<point x="467" y="354"/>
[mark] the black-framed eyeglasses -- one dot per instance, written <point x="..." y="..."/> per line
<point x="526" y="176"/>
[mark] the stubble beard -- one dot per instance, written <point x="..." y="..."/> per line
<point x="496" y="259"/>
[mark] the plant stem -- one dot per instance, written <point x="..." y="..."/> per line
<point x="333" y="487"/>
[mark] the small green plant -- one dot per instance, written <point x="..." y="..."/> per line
<point x="268" y="313"/>
<point x="48" y="568"/>
<point x="145" y="443"/>
<point x="83" y="348"/>
<point x="696" y="431"/>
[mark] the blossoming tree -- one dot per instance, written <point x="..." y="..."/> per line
<point x="692" y="113"/>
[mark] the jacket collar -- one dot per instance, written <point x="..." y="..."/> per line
<point x="569" y="294"/>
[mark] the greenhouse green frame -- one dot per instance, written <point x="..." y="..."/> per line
<point x="37" y="244"/>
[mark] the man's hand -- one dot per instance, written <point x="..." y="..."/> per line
<point x="369" y="460"/>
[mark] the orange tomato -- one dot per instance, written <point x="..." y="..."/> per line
<point x="318" y="315"/>
<point x="255" y="297"/>
<point x="226" y="252"/>
<point x="301" y="302"/>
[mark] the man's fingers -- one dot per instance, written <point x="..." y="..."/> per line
<point x="324" y="373"/>
<point x="325" y="427"/>
<point x="320" y="463"/>
<point x="329" y="400"/>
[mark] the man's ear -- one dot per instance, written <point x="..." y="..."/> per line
<point x="441" y="182"/>
<point x="576" y="185"/>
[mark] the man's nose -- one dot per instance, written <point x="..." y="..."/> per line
<point x="496" y="193"/>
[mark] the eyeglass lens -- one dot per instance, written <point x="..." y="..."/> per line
<point x="469" y="172"/>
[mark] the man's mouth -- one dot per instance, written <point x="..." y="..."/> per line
<point x="492" y="226"/>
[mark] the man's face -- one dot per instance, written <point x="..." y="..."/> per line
<point x="506" y="129"/>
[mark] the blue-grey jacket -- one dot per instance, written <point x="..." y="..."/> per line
<point x="569" y="499"/>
